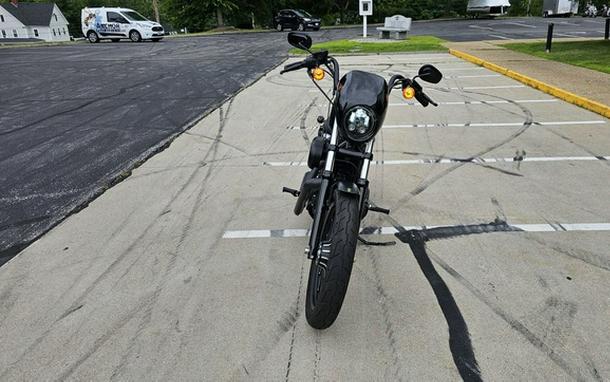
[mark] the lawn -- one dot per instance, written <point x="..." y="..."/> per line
<point x="412" y="44"/>
<point x="588" y="54"/>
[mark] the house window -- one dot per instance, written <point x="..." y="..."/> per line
<point x="65" y="30"/>
<point x="54" y="15"/>
<point x="36" y="32"/>
<point x="54" y="34"/>
<point x="2" y="18"/>
<point x="3" y="33"/>
<point x="15" y="33"/>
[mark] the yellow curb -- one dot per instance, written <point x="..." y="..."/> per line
<point x="583" y="102"/>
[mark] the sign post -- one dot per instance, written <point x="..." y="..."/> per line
<point x="366" y="9"/>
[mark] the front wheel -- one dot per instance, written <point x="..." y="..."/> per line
<point x="329" y="278"/>
<point x="135" y="36"/>
<point x="301" y="27"/>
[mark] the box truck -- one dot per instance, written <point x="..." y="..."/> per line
<point x="564" y="8"/>
<point x="490" y="8"/>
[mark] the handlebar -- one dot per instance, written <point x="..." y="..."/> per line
<point x="322" y="58"/>
<point x="294" y="66"/>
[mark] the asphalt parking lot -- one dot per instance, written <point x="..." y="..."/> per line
<point x="514" y="28"/>
<point x="193" y="267"/>
<point x="75" y="119"/>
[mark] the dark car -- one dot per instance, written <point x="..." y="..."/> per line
<point x="295" y="19"/>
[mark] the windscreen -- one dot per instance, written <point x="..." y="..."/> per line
<point x="134" y="16"/>
<point x="303" y="13"/>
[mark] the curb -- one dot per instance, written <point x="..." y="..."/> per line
<point x="565" y="95"/>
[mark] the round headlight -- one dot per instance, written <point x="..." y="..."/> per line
<point x="359" y="123"/>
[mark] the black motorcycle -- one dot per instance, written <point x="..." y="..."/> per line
<point x="335" y="191"/>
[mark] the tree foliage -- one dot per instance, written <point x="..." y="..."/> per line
<point x="200" y="15"/>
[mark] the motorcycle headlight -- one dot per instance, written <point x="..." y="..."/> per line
<point x="359" y="124"/>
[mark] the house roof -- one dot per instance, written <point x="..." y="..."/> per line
<point x="31" y="13"/>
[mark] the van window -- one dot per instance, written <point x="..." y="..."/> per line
<point x="36" y="32"/>
<point x="114" y="17"/>
<point x="134" y="16"/>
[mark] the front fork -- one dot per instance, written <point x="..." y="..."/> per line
<point x="311" y="250"/>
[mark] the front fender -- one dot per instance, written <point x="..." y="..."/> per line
<point x="350" y="188"/>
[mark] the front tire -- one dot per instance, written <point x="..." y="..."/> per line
<point x="135" y="36"/>
<point x="301" y="27"/>
<point x="279" y="27"/>
<point x="327" y="285"/>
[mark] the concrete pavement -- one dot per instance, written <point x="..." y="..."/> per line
<point x="588" y="83"/>
<point x="148" y="283"/>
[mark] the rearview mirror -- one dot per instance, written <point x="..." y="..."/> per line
<point x="299" y="40"/>
<point x="430" y="74"/>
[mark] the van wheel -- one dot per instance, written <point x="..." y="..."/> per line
<point x="279" y="27"/>
<point x="301" y="27"/>
<point x="135" y="36"/>
<point x="93" y="37"/>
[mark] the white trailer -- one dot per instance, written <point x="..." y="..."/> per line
<point x="565" y="8"/>
<point x="491" y="8"/>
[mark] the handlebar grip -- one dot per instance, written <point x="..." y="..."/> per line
<point x="292" y="67"/>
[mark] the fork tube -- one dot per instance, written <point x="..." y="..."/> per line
<point x="326" y="177"/>
<point x="364" y="172"/>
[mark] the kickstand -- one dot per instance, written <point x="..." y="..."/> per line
<point x="375" y="243"/>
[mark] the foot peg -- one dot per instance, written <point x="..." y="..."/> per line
<point x="374" y="208"/>
<point x="291" y="191"/>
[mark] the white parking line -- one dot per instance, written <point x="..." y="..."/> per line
<point x="500" y="37"/>
<point x="456" y="160"/>
<point x="487" y="87"/>
<point x="501" y="124"/>
<point x="475" y="76"/>
<point x="520" y="25"/>
<point x="480" y="27"/>
<point x="285" y="233"/>
<point x="490" y="102"/>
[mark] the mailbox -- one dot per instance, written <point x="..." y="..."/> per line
<point x="366" y="7"/>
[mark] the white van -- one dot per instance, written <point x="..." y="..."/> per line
<point x="118" y="23"/>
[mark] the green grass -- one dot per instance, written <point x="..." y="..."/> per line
<point x="588" y="54"/>
<point x="412" y="44"/>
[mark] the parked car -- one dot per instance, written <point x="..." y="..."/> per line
<point x="118" y="23"/>
<point x="295" y="19"/>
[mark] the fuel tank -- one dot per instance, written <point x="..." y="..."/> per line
<point x="358" y="88"/>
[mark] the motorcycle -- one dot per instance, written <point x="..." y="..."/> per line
<point x="335" y="191"/>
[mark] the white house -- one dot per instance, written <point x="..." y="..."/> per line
<point x="41" y="21"/>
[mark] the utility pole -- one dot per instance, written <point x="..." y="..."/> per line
<point x="529" y="7"/>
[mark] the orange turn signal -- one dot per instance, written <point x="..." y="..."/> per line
<point x="318" y="74"/>
<point x="408" y="92"/>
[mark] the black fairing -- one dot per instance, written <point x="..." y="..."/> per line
<point x="358" y="88"/>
